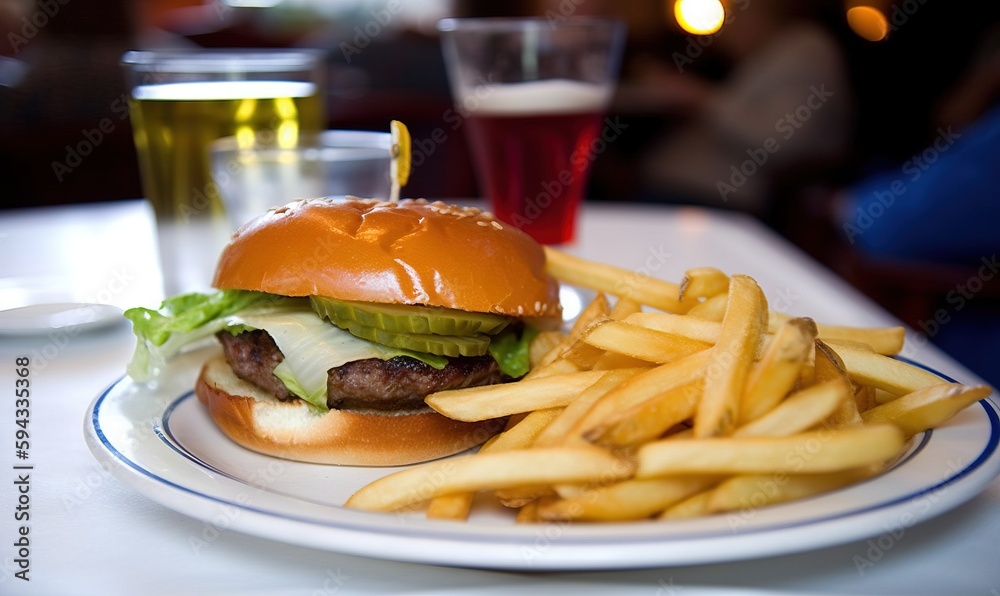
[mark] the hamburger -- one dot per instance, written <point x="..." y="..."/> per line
<point x="337" y="319"/>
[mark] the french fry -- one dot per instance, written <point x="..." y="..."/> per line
<point x="850" y="343"/>
<point x="883" y="340"/>
<point x="775" y="374"/>
<point x="524" y="433"/>
<point x="516" y="497"/>
<point x="683" y="325"/>
<point x="828" y="364"/>
<point x="640" y="389"/>
<point x="687" y="433"/>
<point x="737" y="492"/>
<point x="639" y="342"/>
<point x="815" y="451"/>
<point x="623" y="308"/>
<point x="882" y="396"/>
<point x="495" y="401"/>
<point x="528" y="513"/>
<point x="926" y="408"/>
<point x="454" y="507"/>
<point x="521" y="435"/>
<point x="596" y="310"/>
<point x="882" y="372"/>
<point x="561" y="366"/>
<point x="616" y="281"/>
<point x="650" y="420"/>
<point x="627" y="500"/>
<point x="712" y="309"/>
<point x="703" y="282"/>
<point x="507" y="469"/>
<point x="614" y="360"/>
<point x="694" y="506"/>
<point x="801" y="411"/>
<point x="829" y="367"/>
<point x="865" y="397"/>
<point x="560" y="430"/>
<point x="742" y="326"/>
<point x="544" y="343"/>
<point x="582" y="354"/>
<point x="807" y="374"/>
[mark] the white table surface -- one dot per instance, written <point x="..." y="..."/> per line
<point x="92" y="535"/>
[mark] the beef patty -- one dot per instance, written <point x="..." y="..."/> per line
<point x="400" y="383"/>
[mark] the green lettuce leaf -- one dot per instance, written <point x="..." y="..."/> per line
<point x="187" y="312"/>
<point x="181" y="321"/>
<point x="511" y="351"/>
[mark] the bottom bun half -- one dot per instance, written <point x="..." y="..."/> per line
<point x="293" y="430"/>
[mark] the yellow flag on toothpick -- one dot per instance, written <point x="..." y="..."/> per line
<point x="399" y="167"/>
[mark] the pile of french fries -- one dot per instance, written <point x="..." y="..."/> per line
<point x="678" y="401"/>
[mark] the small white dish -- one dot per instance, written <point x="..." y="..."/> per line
<point x="40" y="319"/>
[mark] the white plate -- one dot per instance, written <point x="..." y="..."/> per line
<point x="161" y="442"/>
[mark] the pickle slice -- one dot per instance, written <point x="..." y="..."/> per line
<point x="410" y="319"/>
<point x="442" y="345"/>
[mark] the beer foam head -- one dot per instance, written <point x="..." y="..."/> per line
<point x="555" y="96"/>
<point x="224" y="90"/>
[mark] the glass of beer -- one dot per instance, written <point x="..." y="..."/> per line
<point x="183" y="100"/>
<point x="534" y="94"/>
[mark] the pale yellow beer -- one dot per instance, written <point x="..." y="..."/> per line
<point x="174" y="124"/>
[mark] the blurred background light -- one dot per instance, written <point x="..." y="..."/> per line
<point x="699" y="17"/>
<point x="868" y="22"/>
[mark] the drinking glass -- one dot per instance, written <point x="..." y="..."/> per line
<point x="182" y="100"/>
<point x="534" y="93"/>
<point x="258" y="173"/>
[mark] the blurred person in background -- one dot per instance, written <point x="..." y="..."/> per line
<point x="927" y="228"/>
<point x="783" y="112"/>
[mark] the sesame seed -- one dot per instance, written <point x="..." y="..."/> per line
<point x="496" y="225"/>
